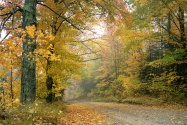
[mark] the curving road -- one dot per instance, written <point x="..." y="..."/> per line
<point x="126" y="114"/>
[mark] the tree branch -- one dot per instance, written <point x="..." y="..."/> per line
<point x="90" y="59"/>
<point x="6" y="14"/>
<point x="68" y="21"/>
<point x="174" y="36"/>
<point x="60" y="25"/>
<point x="9" y="15"/>
<point x="5" y="37"/>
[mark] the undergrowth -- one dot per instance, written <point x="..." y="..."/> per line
<point x="34" y="114"/>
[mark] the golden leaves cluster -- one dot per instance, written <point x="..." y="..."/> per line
<point x="30" y="30"/>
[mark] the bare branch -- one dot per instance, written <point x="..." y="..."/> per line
<point x="90" y="59"/>
<point x="5" y="37"/>
<point x="61" y="24"/>
<point x="85" y="54"/>
<point x="9" y="15"/>
<point x="90" y="39"/>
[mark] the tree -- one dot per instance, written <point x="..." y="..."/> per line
<point x="164" y="21"/>
<point x="73" y="14"/>
<point x="28" y="77"/>
<point x="11" y="13"/>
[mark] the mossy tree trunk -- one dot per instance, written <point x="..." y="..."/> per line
<point x="28" y="77"/>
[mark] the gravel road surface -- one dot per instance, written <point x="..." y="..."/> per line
<point x="126" y="114"/>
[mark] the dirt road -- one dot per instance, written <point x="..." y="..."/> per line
<point x="125" y="114"/>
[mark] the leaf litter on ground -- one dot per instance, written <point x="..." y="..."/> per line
<point x="77" y="114"/>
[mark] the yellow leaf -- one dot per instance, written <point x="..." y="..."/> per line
<point x="30" y="30"/>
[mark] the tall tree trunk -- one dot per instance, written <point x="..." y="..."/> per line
<point x="11" y="81"/>
<point x="28" y="77"/>
<point x="116" y="68"/>
<point x="49" y="82"/>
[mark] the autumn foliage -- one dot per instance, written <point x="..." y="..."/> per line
<point x="53" y="45"/>
<point x="144" y="58"/>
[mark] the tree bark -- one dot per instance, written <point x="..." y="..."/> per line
<point x="28" y="76"/>
<point x="49" y="80"/>
<point x="49" y="83"/>
<point x="11" y="81"/>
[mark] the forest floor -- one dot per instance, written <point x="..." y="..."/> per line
<point x="127" y="114"/>
<point x="98" y="113"/>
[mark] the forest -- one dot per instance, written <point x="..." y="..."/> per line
<point x="143" y="56"/>
<point x="125" y="51"/>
